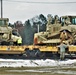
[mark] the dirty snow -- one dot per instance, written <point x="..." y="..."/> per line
<point x="35" y="63"/>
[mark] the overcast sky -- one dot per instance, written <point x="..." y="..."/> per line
<point x="26" y="9"/>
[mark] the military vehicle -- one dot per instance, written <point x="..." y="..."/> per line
<point x="69" y="29"/>
<point x="45" y="43"/>
<point x="57" y="30"/>
<point x="8" y="36"/>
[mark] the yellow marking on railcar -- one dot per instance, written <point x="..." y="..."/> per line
<point x="72" y="48"/>
<point x="3" y="48"/>
<point x="17" y="48"/>
<point x="21" y="49"/>
<point x="48" y="49"/>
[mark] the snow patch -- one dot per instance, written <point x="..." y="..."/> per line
<point x="34" y="63"/>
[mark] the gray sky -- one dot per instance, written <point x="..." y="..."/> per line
<point x="26" y="9"/>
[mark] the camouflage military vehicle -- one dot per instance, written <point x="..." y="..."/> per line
<point x="7" y="34"/>
<point x="61" y="29"/>
<point x="69" y="29"/>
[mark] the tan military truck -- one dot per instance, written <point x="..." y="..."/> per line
<point x="8" y="36"/>
<point x="62" y="29"/>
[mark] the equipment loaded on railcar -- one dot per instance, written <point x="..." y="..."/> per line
<point x="45" y="43"/>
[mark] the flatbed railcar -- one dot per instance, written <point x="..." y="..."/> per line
<point x="35" y="51"/>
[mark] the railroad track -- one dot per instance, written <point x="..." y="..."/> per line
<point x="46" y="56"/>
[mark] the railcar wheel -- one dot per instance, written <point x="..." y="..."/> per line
<point x="27" y="52"/>
<point x="35" y="53"/>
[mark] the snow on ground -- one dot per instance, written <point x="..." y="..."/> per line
<point x="34" y="63"/>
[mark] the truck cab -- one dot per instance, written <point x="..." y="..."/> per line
<point x="7" y="34"/>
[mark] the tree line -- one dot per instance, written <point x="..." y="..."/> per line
<point x="30" y="27"/>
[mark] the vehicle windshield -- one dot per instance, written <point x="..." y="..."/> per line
<point x="73" y="20"/>
<point x="2" y="22"/>
<point x="15" y="33"/>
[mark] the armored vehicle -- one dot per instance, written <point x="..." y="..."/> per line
<point x="45" y="43"/>
<point x="57" y="30"/>
<point x="7" y="34"/>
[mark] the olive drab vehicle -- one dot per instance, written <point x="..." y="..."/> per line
<point x="8" y="36"/>
<point x="57" y="30"/>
